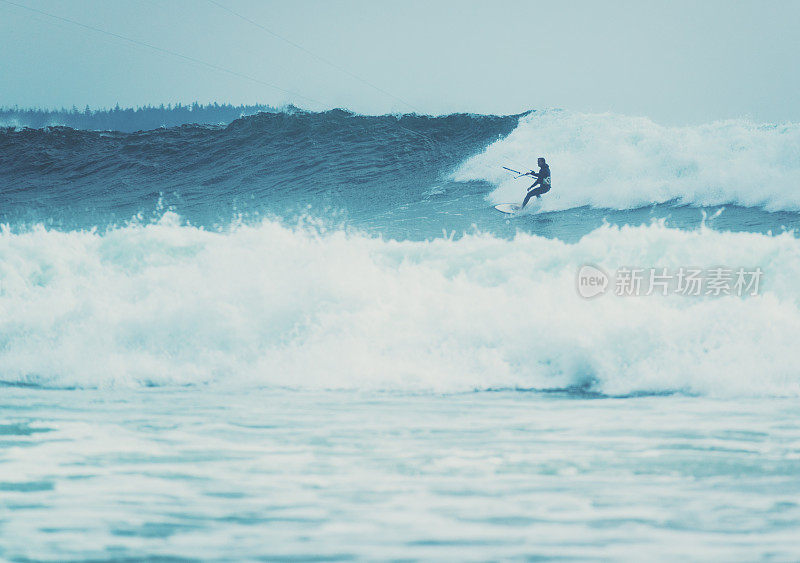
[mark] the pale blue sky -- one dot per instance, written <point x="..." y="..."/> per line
<point x="677" y="62"/>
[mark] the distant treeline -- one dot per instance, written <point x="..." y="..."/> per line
<point x="127" y="119"/>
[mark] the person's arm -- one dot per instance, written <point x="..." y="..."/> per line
<point x="538" y="182"/>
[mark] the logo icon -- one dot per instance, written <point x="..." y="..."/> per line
<point x="592" y="281"/>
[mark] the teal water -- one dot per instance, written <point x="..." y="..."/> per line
<point x="188" y="474"/>
<point x="310" y="337"/>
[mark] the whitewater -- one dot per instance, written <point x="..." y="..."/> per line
<point x="309" y="336"/>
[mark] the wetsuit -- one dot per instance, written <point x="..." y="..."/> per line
<point x="542" y="180"/>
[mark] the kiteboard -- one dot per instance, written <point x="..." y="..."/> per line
<point x="516" y="209"/>
<point x="509" y="208"/>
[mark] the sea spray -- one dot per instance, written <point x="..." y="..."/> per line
<point x="621" y="162"/>
<point x="269" y="305"/>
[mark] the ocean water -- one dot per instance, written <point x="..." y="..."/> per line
<point x="309" y="336"/>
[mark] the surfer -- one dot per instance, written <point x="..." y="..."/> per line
<point x="542" y="180"/>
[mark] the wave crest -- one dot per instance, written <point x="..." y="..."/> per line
<point x="619" y="162"/>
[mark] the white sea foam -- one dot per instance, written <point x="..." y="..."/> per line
<point x="170" y="304"/>
<point x="621" y="162"/>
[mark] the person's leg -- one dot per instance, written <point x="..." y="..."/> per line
<point x="528" y="197"/>
<point x="537" y="192"/>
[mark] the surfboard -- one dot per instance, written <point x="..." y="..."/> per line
<point x="516" y="209"/>
<point x="508" y="208"/>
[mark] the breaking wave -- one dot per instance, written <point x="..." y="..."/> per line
<point x="619" y="162"/>
<point x="304" y="307"/>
